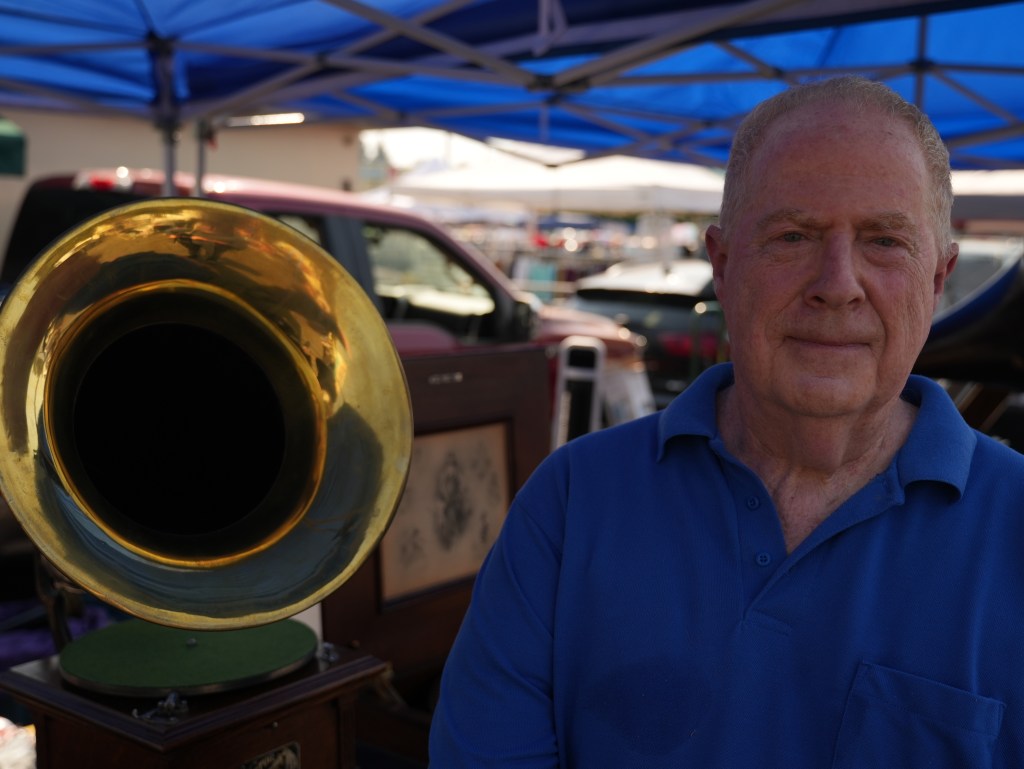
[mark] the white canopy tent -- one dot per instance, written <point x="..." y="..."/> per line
<point x="621" y="185"/>
<point x="989" y="200"/>
<point x="615" y="185"/>
<point x="626" y="185"/>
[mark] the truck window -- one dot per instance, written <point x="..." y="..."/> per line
<point x="303" y="224"/>
<point x="417" y="280"/>
<point x="340" y="236"/>
<point x="47" y="212"/>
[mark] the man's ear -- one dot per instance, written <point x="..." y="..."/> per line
<point x="943" y="270"/>
<point x="716" y="248"/>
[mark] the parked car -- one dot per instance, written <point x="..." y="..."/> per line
<point x="436" y="293"/>
<point x="671" y="304"/>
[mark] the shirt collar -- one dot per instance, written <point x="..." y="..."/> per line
<point x="939" y="448"/>
<point x="693" y="411"/>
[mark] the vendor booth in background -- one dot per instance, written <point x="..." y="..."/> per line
<point x="578" y="218"/>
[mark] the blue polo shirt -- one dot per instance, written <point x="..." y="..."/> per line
<point x="640" y="610"/>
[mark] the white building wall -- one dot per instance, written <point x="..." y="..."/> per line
<point x="320" y="154"/>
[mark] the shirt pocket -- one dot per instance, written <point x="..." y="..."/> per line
<point x="895" y="719"/>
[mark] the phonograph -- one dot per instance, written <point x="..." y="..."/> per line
<point x="206" y="426"/>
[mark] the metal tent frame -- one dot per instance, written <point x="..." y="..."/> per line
<point x="652" y="78"/>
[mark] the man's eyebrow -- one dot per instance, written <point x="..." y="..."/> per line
<point x="889" y="221"/>
<point x="793" y="215"/>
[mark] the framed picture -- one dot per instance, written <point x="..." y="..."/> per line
<point x="455" y="501"/>
<point x="482" y="424"/>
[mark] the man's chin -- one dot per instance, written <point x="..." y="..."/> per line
<point x="827" y="397"/>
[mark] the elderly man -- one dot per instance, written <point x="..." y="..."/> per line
<point x="808" y="559"/>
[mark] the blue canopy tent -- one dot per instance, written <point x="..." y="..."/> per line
<point x="655" y="78"/>
<point x="666" y="79"/>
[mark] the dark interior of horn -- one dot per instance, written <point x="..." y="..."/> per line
<point x="184" y="427"/>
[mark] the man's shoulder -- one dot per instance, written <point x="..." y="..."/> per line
<point x="995" y="482"/>
<point x="633" y="435"/>
<point x="994" y="457"/>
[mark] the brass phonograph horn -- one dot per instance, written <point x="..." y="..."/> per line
<point x="204" y="420"/>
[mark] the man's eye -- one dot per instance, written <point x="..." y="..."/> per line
<point x="886" y="242"/>
<point x="792" y="237"/>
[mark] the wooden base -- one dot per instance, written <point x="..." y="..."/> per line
<point x="306" y="720"/>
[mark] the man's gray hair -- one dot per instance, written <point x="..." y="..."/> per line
<point x="848" y="89"/>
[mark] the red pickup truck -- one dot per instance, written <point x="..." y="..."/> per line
<point x="436" y="293"/>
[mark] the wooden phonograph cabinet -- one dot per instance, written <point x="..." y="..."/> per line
<point x="306" y="719"/>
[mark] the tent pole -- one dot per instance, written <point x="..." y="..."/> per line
<point x="168" y="115"/>
<point x="204" y="134"/>
<point x="170" y="159"/>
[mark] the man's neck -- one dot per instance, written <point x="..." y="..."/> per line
<point x="810" y="466"/>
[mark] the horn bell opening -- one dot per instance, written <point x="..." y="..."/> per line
<point x="182" y="426"/>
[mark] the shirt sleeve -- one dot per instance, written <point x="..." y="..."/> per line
<point x="495" y="707"/>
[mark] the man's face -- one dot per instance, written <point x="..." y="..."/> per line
<point x="830" y="272"/>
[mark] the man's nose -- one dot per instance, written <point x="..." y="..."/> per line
<point x="836" y="281"/>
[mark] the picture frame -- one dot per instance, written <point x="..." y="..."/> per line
<point x="455" y="501"/>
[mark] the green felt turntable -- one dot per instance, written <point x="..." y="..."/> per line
<point x="138" y="658"/>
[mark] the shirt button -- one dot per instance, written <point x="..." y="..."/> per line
<point x="753" y="503"/>
<point x="763" y="559"/>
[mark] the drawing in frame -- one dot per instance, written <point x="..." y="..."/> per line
<point x="455" y="501"/>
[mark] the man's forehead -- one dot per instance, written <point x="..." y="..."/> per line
<point x="833" y="122"/>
